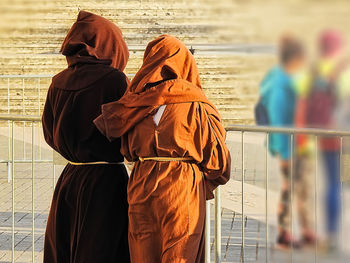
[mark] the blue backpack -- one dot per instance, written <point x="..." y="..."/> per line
<point x="260" y="110"/>
<point x="261" y="115"/>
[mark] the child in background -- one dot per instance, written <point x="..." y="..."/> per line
<point x="279" y="97"/>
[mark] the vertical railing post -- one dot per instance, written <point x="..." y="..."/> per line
<point x="266" y="200"/>
<point x="39" y="97"/>
<point x="316" y="196"/>
<point x="207" y="232"/>
<point x="9" y="174"/>
<point x="39" y="112"/>
<point x="24" y="124"/>
<point x="33" y="192"/>
<point x="13" y="193"/>
<point x="23" y="99"/>
<point x="217" y="225"/>
<point x="8" y="96"/>
<point x="242" y="189"/>
<point x="341" y="194"/>
<point x="291" y="191"/>
<point x="9" y="177"/>
<point x="54" y="176"/>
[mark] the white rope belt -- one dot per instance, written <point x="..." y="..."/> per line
<point x="166" y="159"/>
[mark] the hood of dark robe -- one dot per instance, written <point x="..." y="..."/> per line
<point x="168" y="75"/>
<point x="91" y="40"/>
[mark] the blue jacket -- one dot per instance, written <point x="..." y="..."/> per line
<point x="279" y="98"/>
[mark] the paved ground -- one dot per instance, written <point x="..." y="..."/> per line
<point x="254" y="210"/>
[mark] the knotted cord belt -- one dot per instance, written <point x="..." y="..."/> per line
<point x="93" y="163"/>
<point x="166" y="159"/>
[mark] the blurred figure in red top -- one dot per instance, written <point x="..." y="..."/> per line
<point x="319" y="106"/>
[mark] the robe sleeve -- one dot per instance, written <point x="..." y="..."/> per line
<point x="48" y="119"/>
<point x="216" y="163"/>
<point x="102" y="125"/>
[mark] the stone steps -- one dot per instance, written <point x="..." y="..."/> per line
<point x="49" y="22"/>
<point x="229" y="81"/>
<point x="32" y="32"/>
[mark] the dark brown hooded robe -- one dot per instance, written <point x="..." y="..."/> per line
<point x="88" y="220"/>
<point x="167" y="198"/>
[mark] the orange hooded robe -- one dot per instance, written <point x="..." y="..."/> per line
<point x="167" y="198"/>
<point x="88" y="219"/>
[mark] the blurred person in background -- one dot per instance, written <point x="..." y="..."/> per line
<point x="304" y="157"/>
<point x="327" y="84"/>
<point x="277" y="108"/>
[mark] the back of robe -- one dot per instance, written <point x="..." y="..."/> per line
<point x="70" y="110"/>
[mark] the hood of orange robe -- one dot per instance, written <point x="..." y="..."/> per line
<point x="91" y="40"/>
<point x="168" y="75"/>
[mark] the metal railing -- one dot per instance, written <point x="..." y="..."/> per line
<point x="33" y="120"/>
<point x="11" y="161"/>
<point x="267" y="131"/>
<point x="247" y="48"/>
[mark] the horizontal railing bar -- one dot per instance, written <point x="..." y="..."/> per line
<point x="241" y="48"/>
<point x="34" y="76"/>
<point x="23" y="230"/>
<point x="244" y="128"/>
<point x="12" y="117"/>
<point x="26" y="76"/>
<point x="27" y="161"/>
<point x="263" y="48"/>
<point x="287" y="130"/>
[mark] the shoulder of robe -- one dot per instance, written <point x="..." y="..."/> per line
<point x="59" y="76"/>
<point x="87" y="76"/>
<point x="115" y="76"/>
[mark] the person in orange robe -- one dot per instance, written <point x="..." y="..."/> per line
<point x="175" y="136"/>
<point x="88" y="219"/>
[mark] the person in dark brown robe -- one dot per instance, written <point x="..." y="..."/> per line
<point x="175" y="136"/>
<point x="88" y="219"/>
